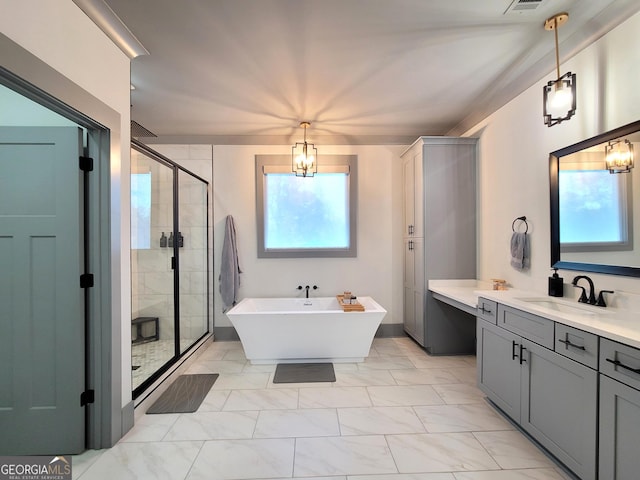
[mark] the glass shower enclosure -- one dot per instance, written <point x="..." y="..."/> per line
<point x="169" y="263"/>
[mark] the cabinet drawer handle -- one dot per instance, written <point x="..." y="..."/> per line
<point x="622" y="365"/>
<point x="514" y="355"/>
<point x="569" y="344"/>
<point x="485" y="311"/>
<point x="522" y="359"/>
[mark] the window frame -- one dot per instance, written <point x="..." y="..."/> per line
<point x="326" y="164"/>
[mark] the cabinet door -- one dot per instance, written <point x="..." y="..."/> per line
<point x="619" y="430"/>
<point x="559" y="407"/>
<point x="409" y="196"/>
<point x="498" y="367"/>
<point x="409" y="315"/>
<point x="418" y="191"/>
<point x="414" y="291"/>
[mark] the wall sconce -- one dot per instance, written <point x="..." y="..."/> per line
<point x="559" y="96"/>
<point x="304" y="156"/>
<point x="619" y="156"/>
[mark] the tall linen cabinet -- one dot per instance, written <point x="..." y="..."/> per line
<point x="439" y="175"/>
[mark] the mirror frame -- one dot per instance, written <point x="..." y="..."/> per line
<point x="554" y="162"/>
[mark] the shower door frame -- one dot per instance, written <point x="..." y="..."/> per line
<point x="158" y="157"/>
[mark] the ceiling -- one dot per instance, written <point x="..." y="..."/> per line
<point x="361" y="71"/>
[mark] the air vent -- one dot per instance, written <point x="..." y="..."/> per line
<point x="520" y="7"/>
<point x="138" y="130"/>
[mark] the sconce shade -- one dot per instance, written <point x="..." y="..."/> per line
<point x="304" y="156"/>
<point x="559" y="97"/>
<point x="619" y="156"/>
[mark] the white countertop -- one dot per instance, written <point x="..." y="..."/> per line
<point x="617" y="324"/>
<point x="463" y="291"/>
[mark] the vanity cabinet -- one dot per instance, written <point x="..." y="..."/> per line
<point x="619" y="411"/>
<point x="551" y="396"/>
<point x="499" y="369"/>
<point x="439" y="233"/>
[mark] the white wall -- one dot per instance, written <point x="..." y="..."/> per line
<point x="62" y="36"/>
<point x="514" y="155"/>
<point x="377" y="270"/>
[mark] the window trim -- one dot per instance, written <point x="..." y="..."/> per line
<point x="625" y="214"/>
<point x="326" y="164"/>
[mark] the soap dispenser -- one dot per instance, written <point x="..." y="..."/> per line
<point x="163" y="240"/>
<point x="556" y="285"/>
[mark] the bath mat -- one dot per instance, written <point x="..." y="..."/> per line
<point x="185" y="394"/>
<point x="304" y="373"/>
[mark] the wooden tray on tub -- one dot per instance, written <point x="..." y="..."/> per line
<point x="349" y="307"/>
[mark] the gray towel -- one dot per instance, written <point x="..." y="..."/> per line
<point x="230" y="267"/>
<point x="520" y="251"/>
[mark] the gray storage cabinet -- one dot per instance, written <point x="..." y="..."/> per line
<point x="439" y="175"/>
<point x="551" y="396"/>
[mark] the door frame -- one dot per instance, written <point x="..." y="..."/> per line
<point x="106" y="419"/>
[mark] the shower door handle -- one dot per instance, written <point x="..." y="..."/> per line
<point x="173" y="263"/>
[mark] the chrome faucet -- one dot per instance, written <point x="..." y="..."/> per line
<point x="583" y="297"/>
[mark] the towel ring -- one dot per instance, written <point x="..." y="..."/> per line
<point x="522" y="219"/>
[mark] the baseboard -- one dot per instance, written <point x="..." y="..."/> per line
<point x="128" y="415"/>
<point x="386" y="330"/>
<point x="225" y="334"/>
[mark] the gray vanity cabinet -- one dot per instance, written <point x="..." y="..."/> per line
<point x="619" y="430"/>
<point x="619" y="412"/>
<point x="439" y="175"/>
<point x="549" y="395"/>
<point x="560" y="407"/>
<point x="499" y="367"/>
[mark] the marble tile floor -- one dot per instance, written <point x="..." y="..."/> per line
<point x="148" y="357"/>
<point x="399" y="415"/>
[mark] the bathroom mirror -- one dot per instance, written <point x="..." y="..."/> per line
<point x="595" y="214"/>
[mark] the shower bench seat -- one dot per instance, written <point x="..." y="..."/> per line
<point x="140" y="338"/>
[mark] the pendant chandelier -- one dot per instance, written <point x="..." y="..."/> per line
<point x="559" y="96"/>
<point x="304" y="156"/>
<point x="619" y="156"/>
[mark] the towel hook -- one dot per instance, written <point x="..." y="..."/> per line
<point x="522" y="219"/>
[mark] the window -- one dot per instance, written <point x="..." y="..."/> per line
<point x="140" y="211"/>
<point x="306" y="217"/>
<point x="595" y="210"/>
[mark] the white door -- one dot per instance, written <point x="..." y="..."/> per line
<point x="42" y="340"/>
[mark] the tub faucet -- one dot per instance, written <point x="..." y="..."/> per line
<point x="306" y="288"/>
<point x="583" y="297"/>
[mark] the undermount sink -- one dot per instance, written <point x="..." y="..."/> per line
<point x="562" y="306"/>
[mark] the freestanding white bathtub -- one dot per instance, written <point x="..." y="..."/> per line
<point x="281" y="330"/>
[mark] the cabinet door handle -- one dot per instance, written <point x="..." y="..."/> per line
<point x="484" y="310"/>
<point x="569" y="344"/>
<point x="622" y="365"/>
<point x="522" y="349"/>
<point x="410" y="244"/>
<point x="514" y="355"/>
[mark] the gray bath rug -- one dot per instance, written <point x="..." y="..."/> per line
<point x="304" y="373"/>
<point x="185" y="394"/>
